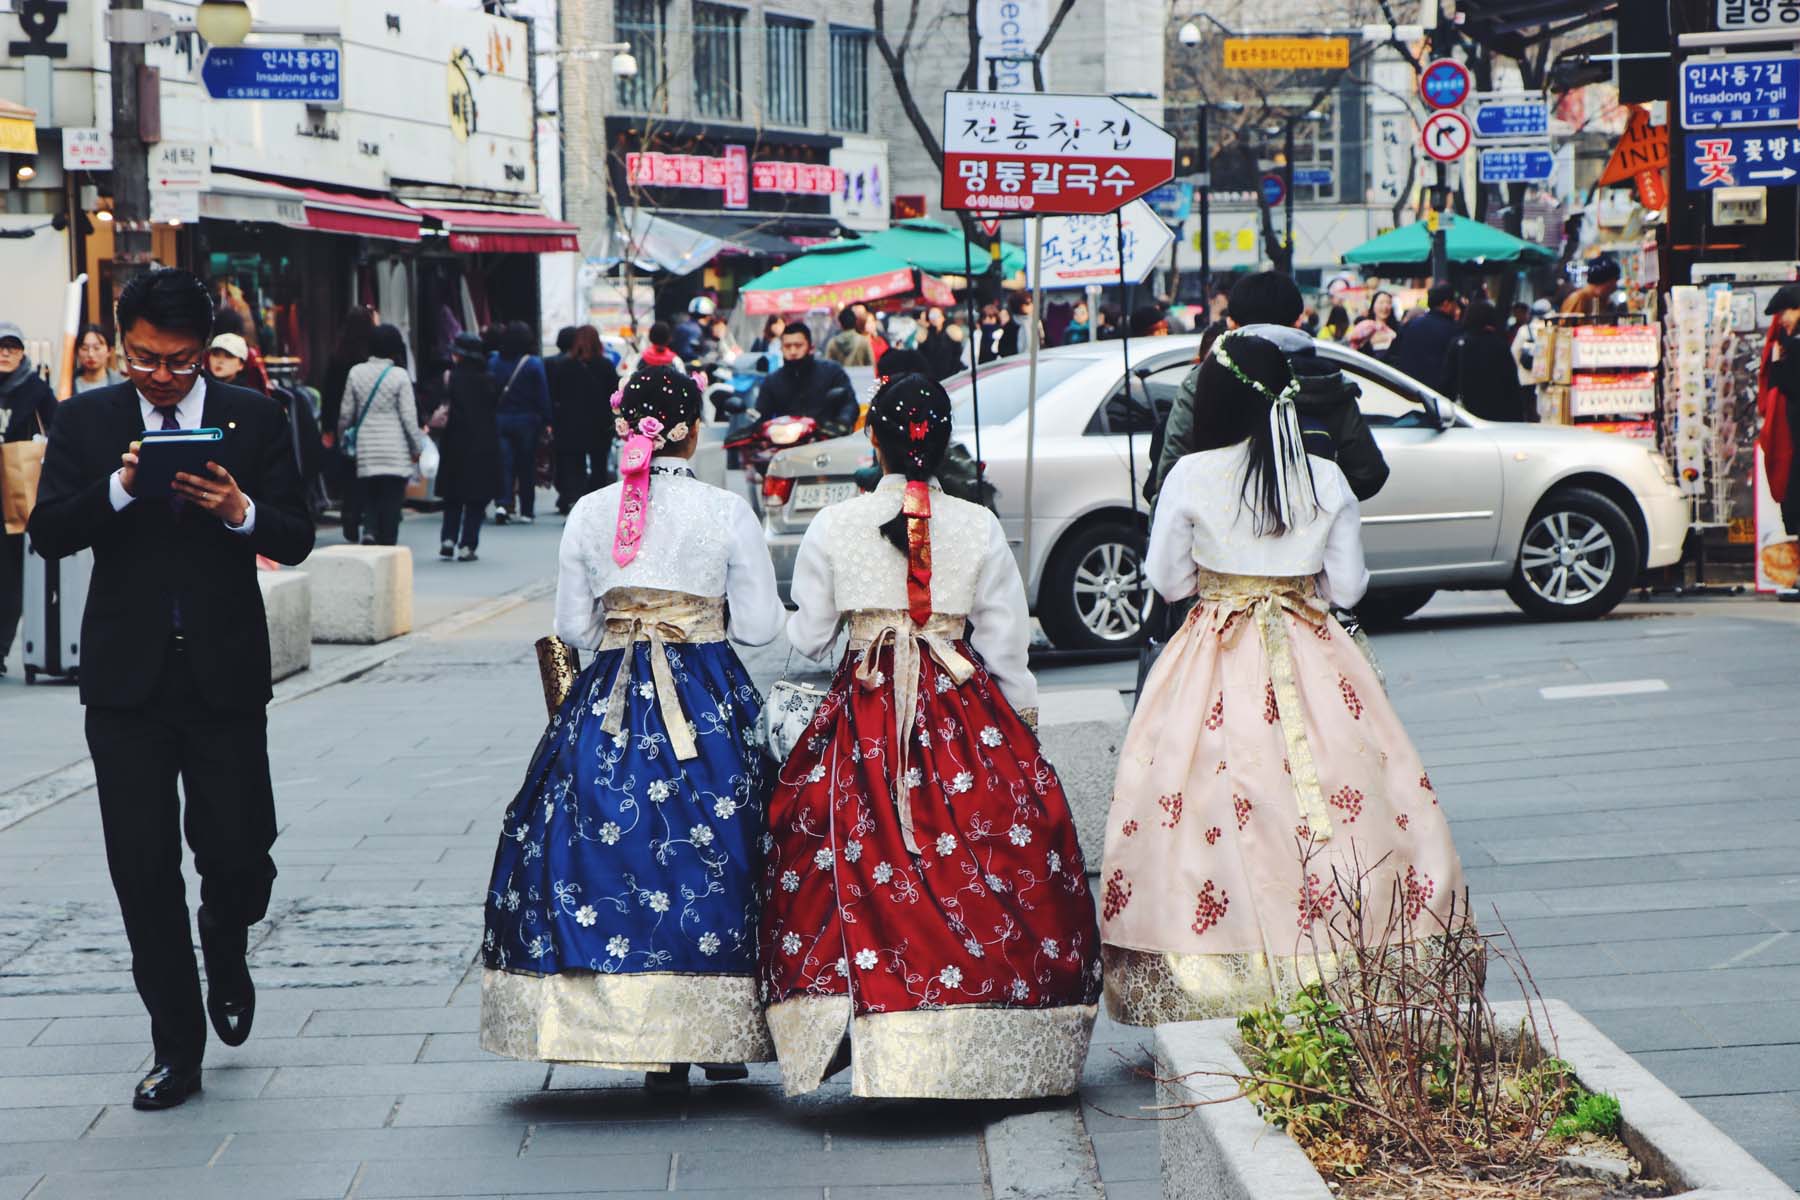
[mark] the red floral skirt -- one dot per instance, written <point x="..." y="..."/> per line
<point x="967" y="970"/>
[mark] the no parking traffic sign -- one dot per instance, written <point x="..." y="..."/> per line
<point x="1445" y="83"/>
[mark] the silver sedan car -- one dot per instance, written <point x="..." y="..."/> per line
<point x="1563" y="519"/>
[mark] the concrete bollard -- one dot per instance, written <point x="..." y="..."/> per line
<point x="361" y="595"/>
<point x="287" y="603"/>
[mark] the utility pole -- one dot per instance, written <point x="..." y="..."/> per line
<point x="1443" y="40"/>
<point x="1205" y="214"/>
<point x="131" y="169"/>
<point x="1287" y="171"/>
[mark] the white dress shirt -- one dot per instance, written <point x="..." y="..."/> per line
<point x="188" y="414"/>
<point x="1202" y="524"/>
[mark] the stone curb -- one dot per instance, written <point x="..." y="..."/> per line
<point x="1043" y="1155"/>
<point x="1225" y="1151"/>
<point x="53" y="787"/>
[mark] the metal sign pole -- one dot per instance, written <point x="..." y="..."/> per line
<point x="1031" y="393"/>
<point x="1125" y="350"/>
<point x="974" y="340"/>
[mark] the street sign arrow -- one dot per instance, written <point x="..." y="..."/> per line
<point x="1039" y="153"/>
<point x="1085" y="250"/>
<point x="1784" y="173"/>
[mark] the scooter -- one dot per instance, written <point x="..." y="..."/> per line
<point x="759" y="441"/>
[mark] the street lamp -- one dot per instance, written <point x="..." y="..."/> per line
<point x="224" y="22"/>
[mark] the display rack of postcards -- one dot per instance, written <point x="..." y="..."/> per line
<point x="1710" y="420"/>
<point x="1600" y="373"/>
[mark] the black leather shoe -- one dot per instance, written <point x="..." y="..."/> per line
<point x="165" y="1087"/>
<point x="230" y="993"/>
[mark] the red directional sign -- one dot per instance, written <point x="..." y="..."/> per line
<point x="1044" y="154"/>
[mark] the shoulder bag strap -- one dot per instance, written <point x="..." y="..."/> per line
<point x="370" y="402"/>
<point x="514" y="377"/>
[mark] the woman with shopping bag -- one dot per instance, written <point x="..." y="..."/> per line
<point x="27" y="406"/>
<point x="382" y="433"/>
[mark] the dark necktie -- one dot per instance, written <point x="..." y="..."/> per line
<point x="171" y="424"/>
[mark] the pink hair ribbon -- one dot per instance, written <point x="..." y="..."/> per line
<point x="634" y="503"/>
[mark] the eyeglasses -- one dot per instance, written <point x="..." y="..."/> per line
<point x="148" y="364"/>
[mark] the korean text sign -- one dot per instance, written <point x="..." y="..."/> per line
<point x="1043" y="153"/>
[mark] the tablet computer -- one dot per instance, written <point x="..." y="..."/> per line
<point x="163" y="455"/>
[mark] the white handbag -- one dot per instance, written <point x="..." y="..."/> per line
<point x="787" y="713"/>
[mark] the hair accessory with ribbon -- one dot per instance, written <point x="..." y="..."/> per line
<point x="634" y="504"/>
<point x="1293" y="474"/>
<point x="915" y="504"/>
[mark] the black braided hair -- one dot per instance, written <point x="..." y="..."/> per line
<point x="661" y="392"/>
<point x="910" y="419"/>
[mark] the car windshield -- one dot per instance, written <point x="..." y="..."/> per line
<point x="1005" y="386"/>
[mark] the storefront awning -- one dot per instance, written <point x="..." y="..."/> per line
<point x="242" y="198"/>
<point x="765" y="235"/>
<point x="486" y="231"/>
<point x="365" y="216"/>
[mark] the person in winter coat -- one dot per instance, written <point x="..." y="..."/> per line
<point x="580" y="395"/>
<point x="27" y="407"/>
<point x="808" y="386"/>
<point x="469" y="449"/>
<point x="1330" y="420"/>
<point x="525" y="416"/>
<point x="943" y="353"/>
<point x="849" y="348"/>
<point x="1481" y="369"/>
<point x="378" y="400"/>
<point x="1781" y="376"/>
<point x="1423" y="348"/>
<point x="658" y="353"/>
<point x="350" y="351"/>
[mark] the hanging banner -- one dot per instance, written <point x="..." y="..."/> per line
<point x="1010" y="29"/>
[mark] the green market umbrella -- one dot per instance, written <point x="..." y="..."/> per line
<point x="835" y="275"/>
<point x="939" y="249"/>
<point x="1468" y="242"/>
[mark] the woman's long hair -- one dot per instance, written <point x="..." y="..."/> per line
<point x="587" y="345"/>
<point x="353" y="335"/>
<point x="1242" y="383"/>
<point x="388" y="342"/>
<point x="909" y="418"/>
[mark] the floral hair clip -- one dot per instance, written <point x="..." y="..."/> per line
<point x="618" y="400"/>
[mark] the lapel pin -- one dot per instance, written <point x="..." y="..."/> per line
<point x="231" y="424"/>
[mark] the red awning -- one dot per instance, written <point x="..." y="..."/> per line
<point x="365" y="216"/>
<point x="491" y="232"/>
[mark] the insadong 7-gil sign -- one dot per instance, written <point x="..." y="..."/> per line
<point x="1034" y="153"/>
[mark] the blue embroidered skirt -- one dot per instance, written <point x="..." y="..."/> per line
<point x="621" y="923"/>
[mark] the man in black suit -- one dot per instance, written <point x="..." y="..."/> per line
<point x="175" y="663"/>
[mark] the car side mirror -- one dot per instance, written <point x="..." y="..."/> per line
<point x="1443" y="413"/>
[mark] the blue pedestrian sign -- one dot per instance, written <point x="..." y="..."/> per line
<point x="1511" y="119"/>
<point x="308" y="73"/>
<point x="1733" y="91"/>
<point x="1517" y="165"/>
<point x="1312" y="177"/>
<point x="1444" y="84"/>
<point x="1274" y="190"/>
<point x="1753" y="158"/>
<point x="1172" y="201"/>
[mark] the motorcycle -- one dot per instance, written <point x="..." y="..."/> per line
<point x="760" y="440"/>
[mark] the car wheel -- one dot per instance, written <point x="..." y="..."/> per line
<point x="1386" y="609"/>
<point x="1578" y="558"/>
<point x="1093" y="592"/>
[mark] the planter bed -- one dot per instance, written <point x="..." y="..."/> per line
<point x="1228" y="1152"/>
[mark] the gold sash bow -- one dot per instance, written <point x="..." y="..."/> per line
<point x="1231" y="603"/>
<point x="869" y="632"/>
<point x="643" y="615"/>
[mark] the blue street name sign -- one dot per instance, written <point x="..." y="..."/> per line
<point x="1752" y="158"/>
<point x="1517" y="166"/>
<point x="309" y="73"/>
<point x="1524" y="119"/>
<point x="1312" y="176"/>
<point x="1172" y="201"/>
<point x="1728" y="92"/>
<point x="1274" y="190"/>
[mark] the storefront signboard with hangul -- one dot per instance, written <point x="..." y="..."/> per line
<point x="1084" y="250"/>
<point x="174" y="206"/>
<point x="177" y="165"/>
<point x="1732" y="91"/>
<point x="1781" y="15"/>
<point x="1742" y="158"/>
<point x="1603" y="347"/>
<point x="87" y="150"/>
<point x="1049" y="154"/>
<point x="310" y="73"/>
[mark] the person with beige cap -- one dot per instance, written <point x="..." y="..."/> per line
<point x="226" y="357"/>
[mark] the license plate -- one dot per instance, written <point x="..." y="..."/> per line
<point x="819" y="495"/>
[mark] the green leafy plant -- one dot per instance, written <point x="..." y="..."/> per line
<point x="1301" y="1062"/>
<point x="1595" y="1113"/>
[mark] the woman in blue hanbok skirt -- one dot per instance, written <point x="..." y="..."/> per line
<point x="621" y="920"/>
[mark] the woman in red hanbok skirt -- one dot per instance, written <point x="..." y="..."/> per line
<point x="928" y="921"/>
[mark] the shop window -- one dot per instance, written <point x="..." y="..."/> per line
<point x="850" y="80"/>
<point x="784" y="69"/>
<point x="718" y="61"/>
<point x="643" y="25"/>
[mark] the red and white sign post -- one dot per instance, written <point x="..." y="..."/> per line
<point x="1042" y="154"/>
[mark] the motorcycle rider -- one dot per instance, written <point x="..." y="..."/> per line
<point x="808" y="386"/>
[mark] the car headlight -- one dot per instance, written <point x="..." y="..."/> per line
<point x="1664" y="467"/>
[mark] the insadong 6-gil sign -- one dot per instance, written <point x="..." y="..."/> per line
<point x="1035" y="153"/>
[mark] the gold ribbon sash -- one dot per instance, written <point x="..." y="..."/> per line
<point x="1229" y="604"/>
<point x="649" y="615"/>
<point x="872" y="629"/>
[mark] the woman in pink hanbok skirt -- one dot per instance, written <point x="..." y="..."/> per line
<point x="1265" y="775"/>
